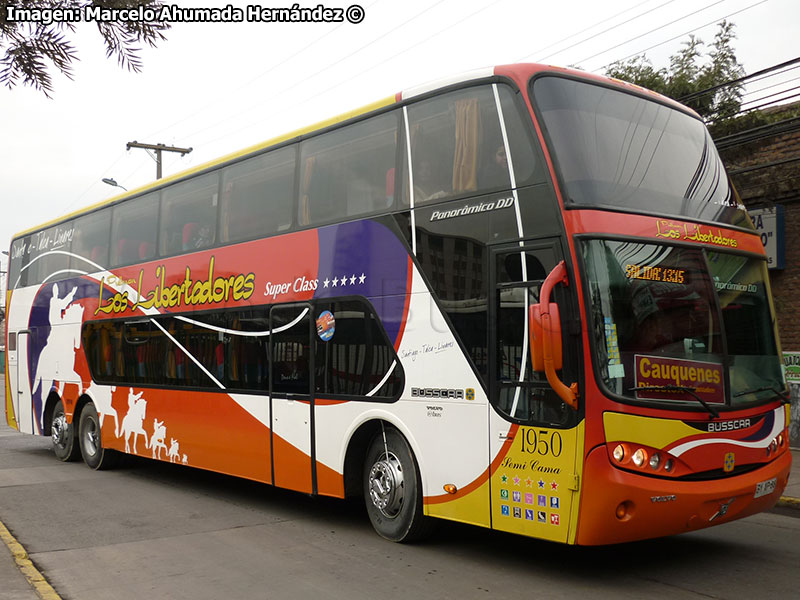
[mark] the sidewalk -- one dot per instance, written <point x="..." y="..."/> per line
<point x="17" y="574"/>
<point x="791" y="495"/>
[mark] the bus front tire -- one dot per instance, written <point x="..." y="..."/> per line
<point x="62" y="435"/>
<point x="392" y="489"/>
<point x="94" y="455"/>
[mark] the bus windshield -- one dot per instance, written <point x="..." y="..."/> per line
<point x="618" y="150"/>
<point x="672" y="323"/>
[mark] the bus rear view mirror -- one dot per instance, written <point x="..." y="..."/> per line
<point x="544" y="326"/>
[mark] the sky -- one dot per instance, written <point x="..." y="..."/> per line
<point x="221" y="87"/>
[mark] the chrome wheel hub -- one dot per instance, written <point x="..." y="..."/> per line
<point x="60" y="430"/>
<point x="386" y="487"/>
<point x="91" y="438"/>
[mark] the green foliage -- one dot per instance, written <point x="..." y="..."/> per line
<point x="26" y="48"/>
<point x="690" y="72"/>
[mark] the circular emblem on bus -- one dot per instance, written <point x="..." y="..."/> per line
<point x="326" y="325"/>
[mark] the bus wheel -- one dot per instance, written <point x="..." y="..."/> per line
<point x="94" y="455"/>
<point x="62" y="435"/>
<point x="392" y="489"/>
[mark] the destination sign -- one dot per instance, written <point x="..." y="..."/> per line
<point x="661" y="274"/>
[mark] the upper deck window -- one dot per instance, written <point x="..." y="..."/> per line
<point x="458" y="146"/>
<point x="134" y="228"/>
<point x="257" y="196"/>
<point x="189" y="215"/>
<point x="90" y="242"/>
<point x="618" y="150"/>
<point x="348" y="172"/>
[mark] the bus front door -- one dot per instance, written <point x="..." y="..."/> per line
<point x="292" y="404"/>
<point x="534" y="440"/>
<point x="19" y="385"/>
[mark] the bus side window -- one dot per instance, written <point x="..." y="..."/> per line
<point x="257" y="196"/>
<point x="290" y="354"/>
<point x="133" y="223"/>
<point x="458" y="146"/>
<point x="345" y="172"/>
<point x="54" y="246"/>
<point x="189" y="215"/>
<point x="90" y="243"/>
<point x="353" y="355"/>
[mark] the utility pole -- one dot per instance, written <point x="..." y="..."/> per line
<point x="158" y="148"/>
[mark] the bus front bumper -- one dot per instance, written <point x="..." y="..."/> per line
<point x="620" y="506"/>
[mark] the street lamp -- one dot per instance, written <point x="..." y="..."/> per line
<point x="112" y="182"/>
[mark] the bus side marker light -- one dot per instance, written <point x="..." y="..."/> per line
<point x="450" y="488"/>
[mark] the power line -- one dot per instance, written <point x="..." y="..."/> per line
<point x="256" y="78"/>
<point x="770" y="103"/>
<point x="753" y="134"/>
<point x="656" y="29"/>
<point x="680" y="35"/>
<point x="361" y="73"/>
<point x="596" y="34"/>
<point x="714" y="88"/>
<point x="769" y="87"/>
<point x="772" y="95"/>
<point x="320" y="71"/>
<point x="774" y="163"/>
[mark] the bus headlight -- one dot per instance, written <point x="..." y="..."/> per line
<point x="655" y="461"/>
<point x="619" y="452"/>
<point x="639" y="457"/>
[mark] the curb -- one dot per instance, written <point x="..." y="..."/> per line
<point x="788" y="502"/>
<point x="37" y="581"/>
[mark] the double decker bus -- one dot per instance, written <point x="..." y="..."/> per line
<point x="525" y="298"/>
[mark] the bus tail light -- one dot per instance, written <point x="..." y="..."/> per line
<point x="544" y="326"/>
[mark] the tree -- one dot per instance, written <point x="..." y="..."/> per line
<point x="688" y="75"/>
<point x="26" y="47"/>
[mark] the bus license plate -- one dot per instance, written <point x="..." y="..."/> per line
<point x="766" y="487"/>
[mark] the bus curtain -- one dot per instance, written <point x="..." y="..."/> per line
<point x="465" y="156"/>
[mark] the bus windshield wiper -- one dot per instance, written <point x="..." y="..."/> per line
<point x="786" y="399"/>
<point x="677" y="388"/>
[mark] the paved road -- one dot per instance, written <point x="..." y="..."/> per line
<point x="154" y="530"/>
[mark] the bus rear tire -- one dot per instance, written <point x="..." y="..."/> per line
<point x="62" y="435"/>
<point x="94" y="455"/>
<point x="393" y="490"/>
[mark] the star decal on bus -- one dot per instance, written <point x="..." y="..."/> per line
<point x="344" y="280"/>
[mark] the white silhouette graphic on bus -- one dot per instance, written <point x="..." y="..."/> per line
<point x="157" y="440"/>
<point x="57" y="360"/>
<point x="174" y="450"/>
<point x="101" y="396"/>
<point x="133" y="420"/>
<point x="133" y="425"/>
